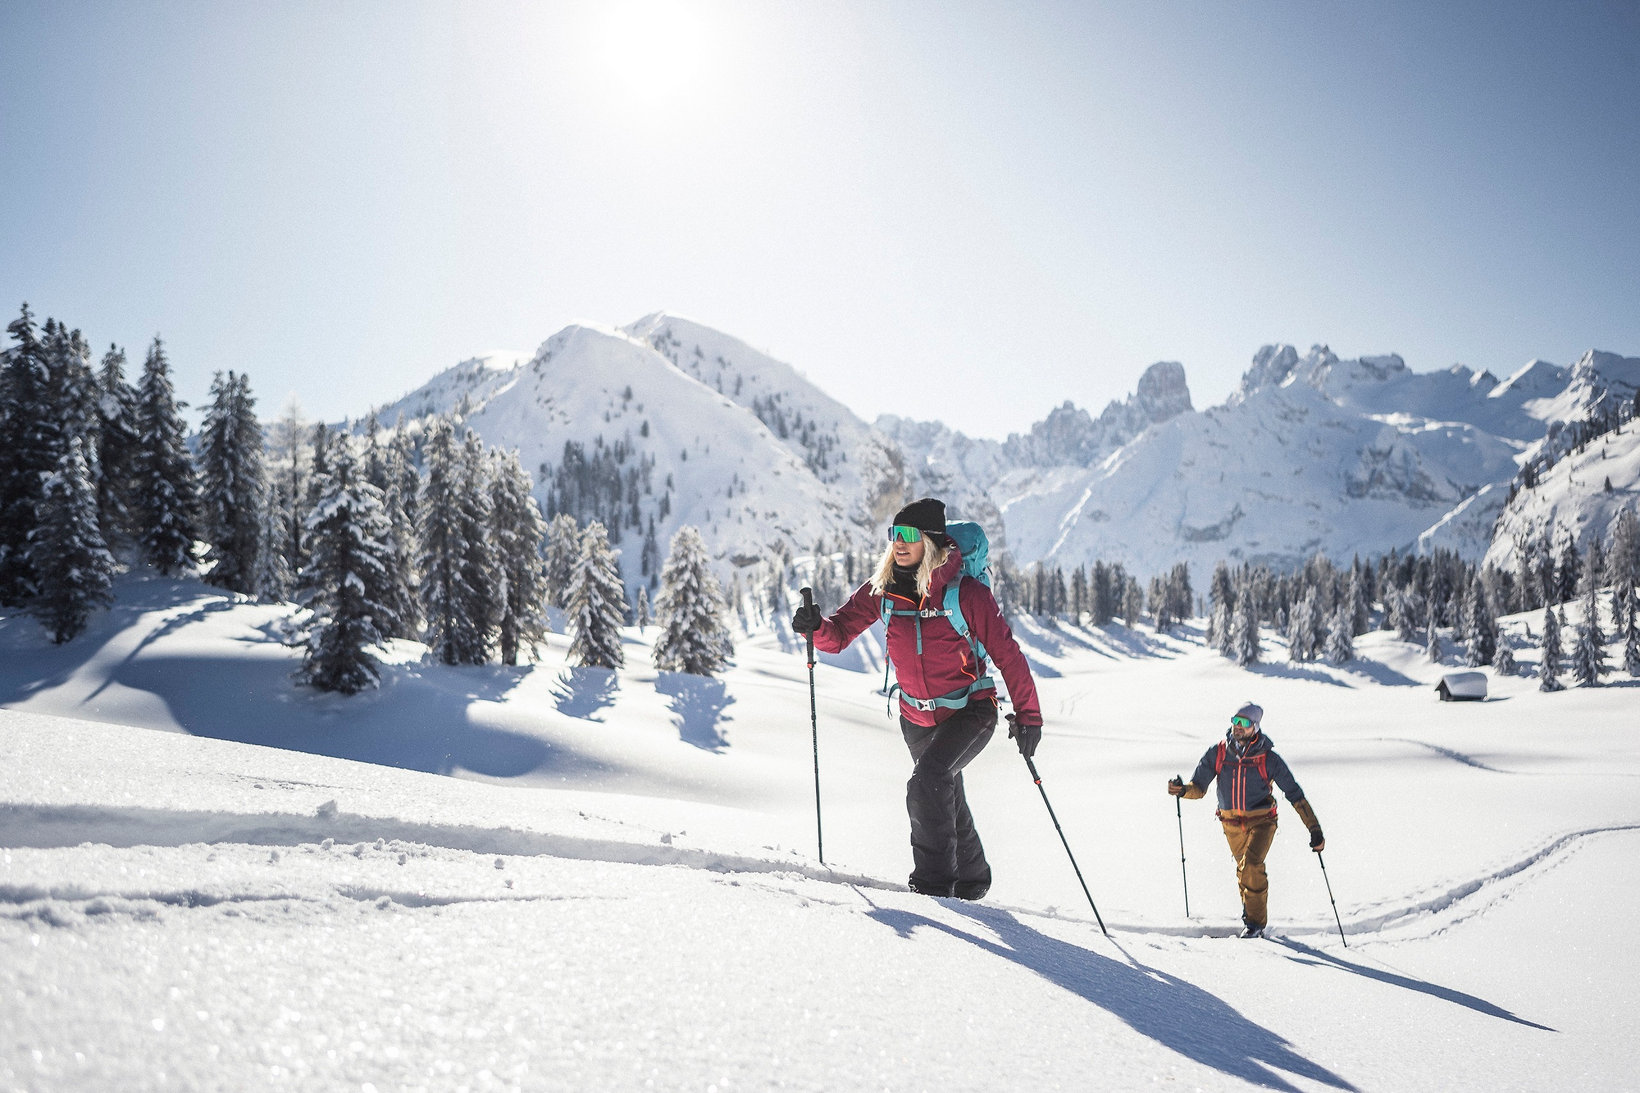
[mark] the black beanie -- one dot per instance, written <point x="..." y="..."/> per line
<point x="926" y="514"/>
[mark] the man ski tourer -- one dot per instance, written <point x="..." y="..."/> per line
<point x="948" y="705"/>
<point x="1248" y="768"/>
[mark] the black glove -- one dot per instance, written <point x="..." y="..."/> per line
<point x="1026" y="734"/>
<point x="1175" y="786"/>
<point x="807" y="619"/>
<point x="1317" y="843"/>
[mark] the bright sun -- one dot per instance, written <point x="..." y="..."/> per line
<point x="655" y="52"/>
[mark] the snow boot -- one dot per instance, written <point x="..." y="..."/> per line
<point x="971" y="889"/>
<point x="1251" y="930"/>
<point x="925" y="888"/>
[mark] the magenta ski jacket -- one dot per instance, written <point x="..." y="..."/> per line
<point x="945" y="663"/>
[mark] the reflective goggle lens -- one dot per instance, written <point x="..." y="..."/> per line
<point x="1241" y="722"/>
<point x="900" y="533"/>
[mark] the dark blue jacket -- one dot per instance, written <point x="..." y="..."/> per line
<point x="1246" y="773"/>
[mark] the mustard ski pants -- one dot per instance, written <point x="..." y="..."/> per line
<point x="1250" y="837"/>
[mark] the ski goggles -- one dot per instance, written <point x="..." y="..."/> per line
<point x="901" y="533"/>
<point x="1243" y="722"/>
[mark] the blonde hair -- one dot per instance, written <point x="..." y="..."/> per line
<point x="933" y="557"/>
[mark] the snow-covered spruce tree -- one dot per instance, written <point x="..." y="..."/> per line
<point x="1623" y="548"/>
<point x="519" y="533"/>
<point x="1568" y="570"/>
<point x="689" y="611"/>
<point x="1356" y="600"/>
<point x="480" y="564"/>
<point x="1408" y="607"/>
<point x="562" y="555"/>
<point x="231" y="484"/>
<point x="33" y="445"/>
<point x="1341" y="637"/>
<point x="1219" y="591"/>
<point x="643" y="617"/>
<point x="1133" y="602"/>
<point x="1160" y="608"/>
<point x="1503" y="661"/>
<point x="73" y="568"/>
<point x="1589" y="653"/>
<point x="347" y="567"/>
<point x="1244" y="641"/>
<point x="73" y="388"/>
<point x="1549" y="653"/>
<point x="1304" y="633"/>
<point x="1631" y="636"/>
<point x="1527" y="583"/>
<point x="273" y="581"/>
<point x="116" y="447"/>
<point x="1432" y="638"/>
<point x="288" y="462"/>
<point x="165" y="488"/>
<point x="1483" y="626"/>
<point x="451" y="631"/>
<point x="399" y="485"/>
<point x="597" y="603"/>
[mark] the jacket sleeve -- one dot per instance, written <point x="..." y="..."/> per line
<point x="1205" y="773"/>
<point x="849" y="622"/>
<point x="1283" y="777"/>
<point x="985" y="622"/>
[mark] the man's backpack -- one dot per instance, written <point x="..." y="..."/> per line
<point x="975" y="549"/>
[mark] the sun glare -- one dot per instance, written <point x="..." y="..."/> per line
<point x="655" y="54"/>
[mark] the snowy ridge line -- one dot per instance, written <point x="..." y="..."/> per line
<point x="1453" y="896"/>
<point x="45" y="827"/>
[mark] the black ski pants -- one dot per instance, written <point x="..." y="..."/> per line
<point x="945" y="848"/>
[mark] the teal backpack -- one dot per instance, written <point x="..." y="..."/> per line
<point x="975" y="548"/>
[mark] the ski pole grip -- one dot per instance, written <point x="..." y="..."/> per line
<point x="808" y="596"/>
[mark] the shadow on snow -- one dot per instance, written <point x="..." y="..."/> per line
<point x="584" y="692"/>
<point x="1317" y="958"/>
<point x="698" y="703"/>
<point x="1176" y="1014"/>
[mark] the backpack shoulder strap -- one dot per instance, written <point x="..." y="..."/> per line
<point x="1218" y="758"/>
<point x="953" y="611"/>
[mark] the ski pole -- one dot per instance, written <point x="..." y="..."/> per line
<point x="814" y="731"/>
<point x="1179" y="813"/>
<point x="1029" y="762"/>
<point x="1330" y="899"/>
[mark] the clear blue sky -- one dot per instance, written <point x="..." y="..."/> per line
<point x="964" y="211"/>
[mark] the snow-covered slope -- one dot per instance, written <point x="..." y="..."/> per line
<point x="684" y="453"/>
<point x="845" y="453"/>
<point x="618" y="888"/>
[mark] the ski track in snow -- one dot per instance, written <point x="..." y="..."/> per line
<point x="62" y="826"/>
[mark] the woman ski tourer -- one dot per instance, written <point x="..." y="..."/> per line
<point x="938" y="646"/>
<point x="1248" y="768"/>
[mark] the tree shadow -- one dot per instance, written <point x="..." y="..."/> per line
<point x="583" y="692"/>
<point x="1176" y="1014"/>
<point x="1316" y="958"/>
<point x="410" y="723"/>
<point x="698" y="703"/>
